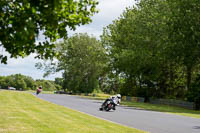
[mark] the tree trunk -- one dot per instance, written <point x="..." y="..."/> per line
<point x="189" y="76"/>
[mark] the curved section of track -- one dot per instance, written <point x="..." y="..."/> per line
<point x="151" y="121"/>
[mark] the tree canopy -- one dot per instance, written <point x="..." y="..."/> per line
<point x="154" y="47"/>
<point x="22" y="21"/>
<point x="82" y="60"/>
<point x="22" y="82"/>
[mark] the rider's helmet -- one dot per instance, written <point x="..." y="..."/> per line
<point x="40" y="87"/>
<point x="118" y="96"/>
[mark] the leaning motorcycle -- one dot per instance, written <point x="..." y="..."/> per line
<point x="38" y="91"/>
<point x="108" y="105"/>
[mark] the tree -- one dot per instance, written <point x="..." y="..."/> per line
<point x="29" y="82"/>
<point x="3" y="82"/>
<point x="22" y="21"/>
<point x="82" y="58"/>
<point x="184" y="34"/>
<point x="154" y="46"/>
<point x="46" y="85"/>
<point x="135" y="42"/>
<point x="20" y="84"/>
<point x="59" y="83"/>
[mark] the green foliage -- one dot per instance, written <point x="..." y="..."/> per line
<point x="58" y="83"/>
<point x="30" y="83"/>
<point x="153" y="47"/>
<point x="3" y="82"/>
<point x="46" y="85"/>
<point x="22" y="21"/>
<point x="184" y="34"/>
<point x="82" y="60"/>
<point x="193" y="95"/>
<point x="134" y="44"/>
<point x="21" y="82"/>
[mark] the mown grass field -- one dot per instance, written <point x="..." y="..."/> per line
<point x="24" y="113"/>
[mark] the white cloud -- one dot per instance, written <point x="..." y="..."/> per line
<point x="87" y="29"/>
<point x="109" y="11"/>
<point x="25" y="66"/>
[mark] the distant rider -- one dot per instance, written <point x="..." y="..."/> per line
<point x="39" y="90"/>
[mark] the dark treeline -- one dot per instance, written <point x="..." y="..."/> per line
<point x="22" y="82"/>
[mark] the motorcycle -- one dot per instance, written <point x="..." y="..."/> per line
<point x="107" y="105"/>
<point x="38" y="91"/>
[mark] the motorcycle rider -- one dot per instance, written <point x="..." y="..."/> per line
<point x="116" y="99"/>
<point x="39" y="90"/>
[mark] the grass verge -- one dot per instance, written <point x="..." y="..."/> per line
<point x="23" y="113"/>
<point x="164" y="108"/>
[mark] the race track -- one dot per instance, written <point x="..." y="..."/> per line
<point x="151" y="121"/>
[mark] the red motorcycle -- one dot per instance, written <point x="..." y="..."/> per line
<point x="38" y="90"/>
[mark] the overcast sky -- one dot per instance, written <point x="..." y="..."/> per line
<point x="109" y="11"/>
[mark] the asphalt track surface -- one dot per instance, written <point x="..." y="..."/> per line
<point x="151" y="121"/>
